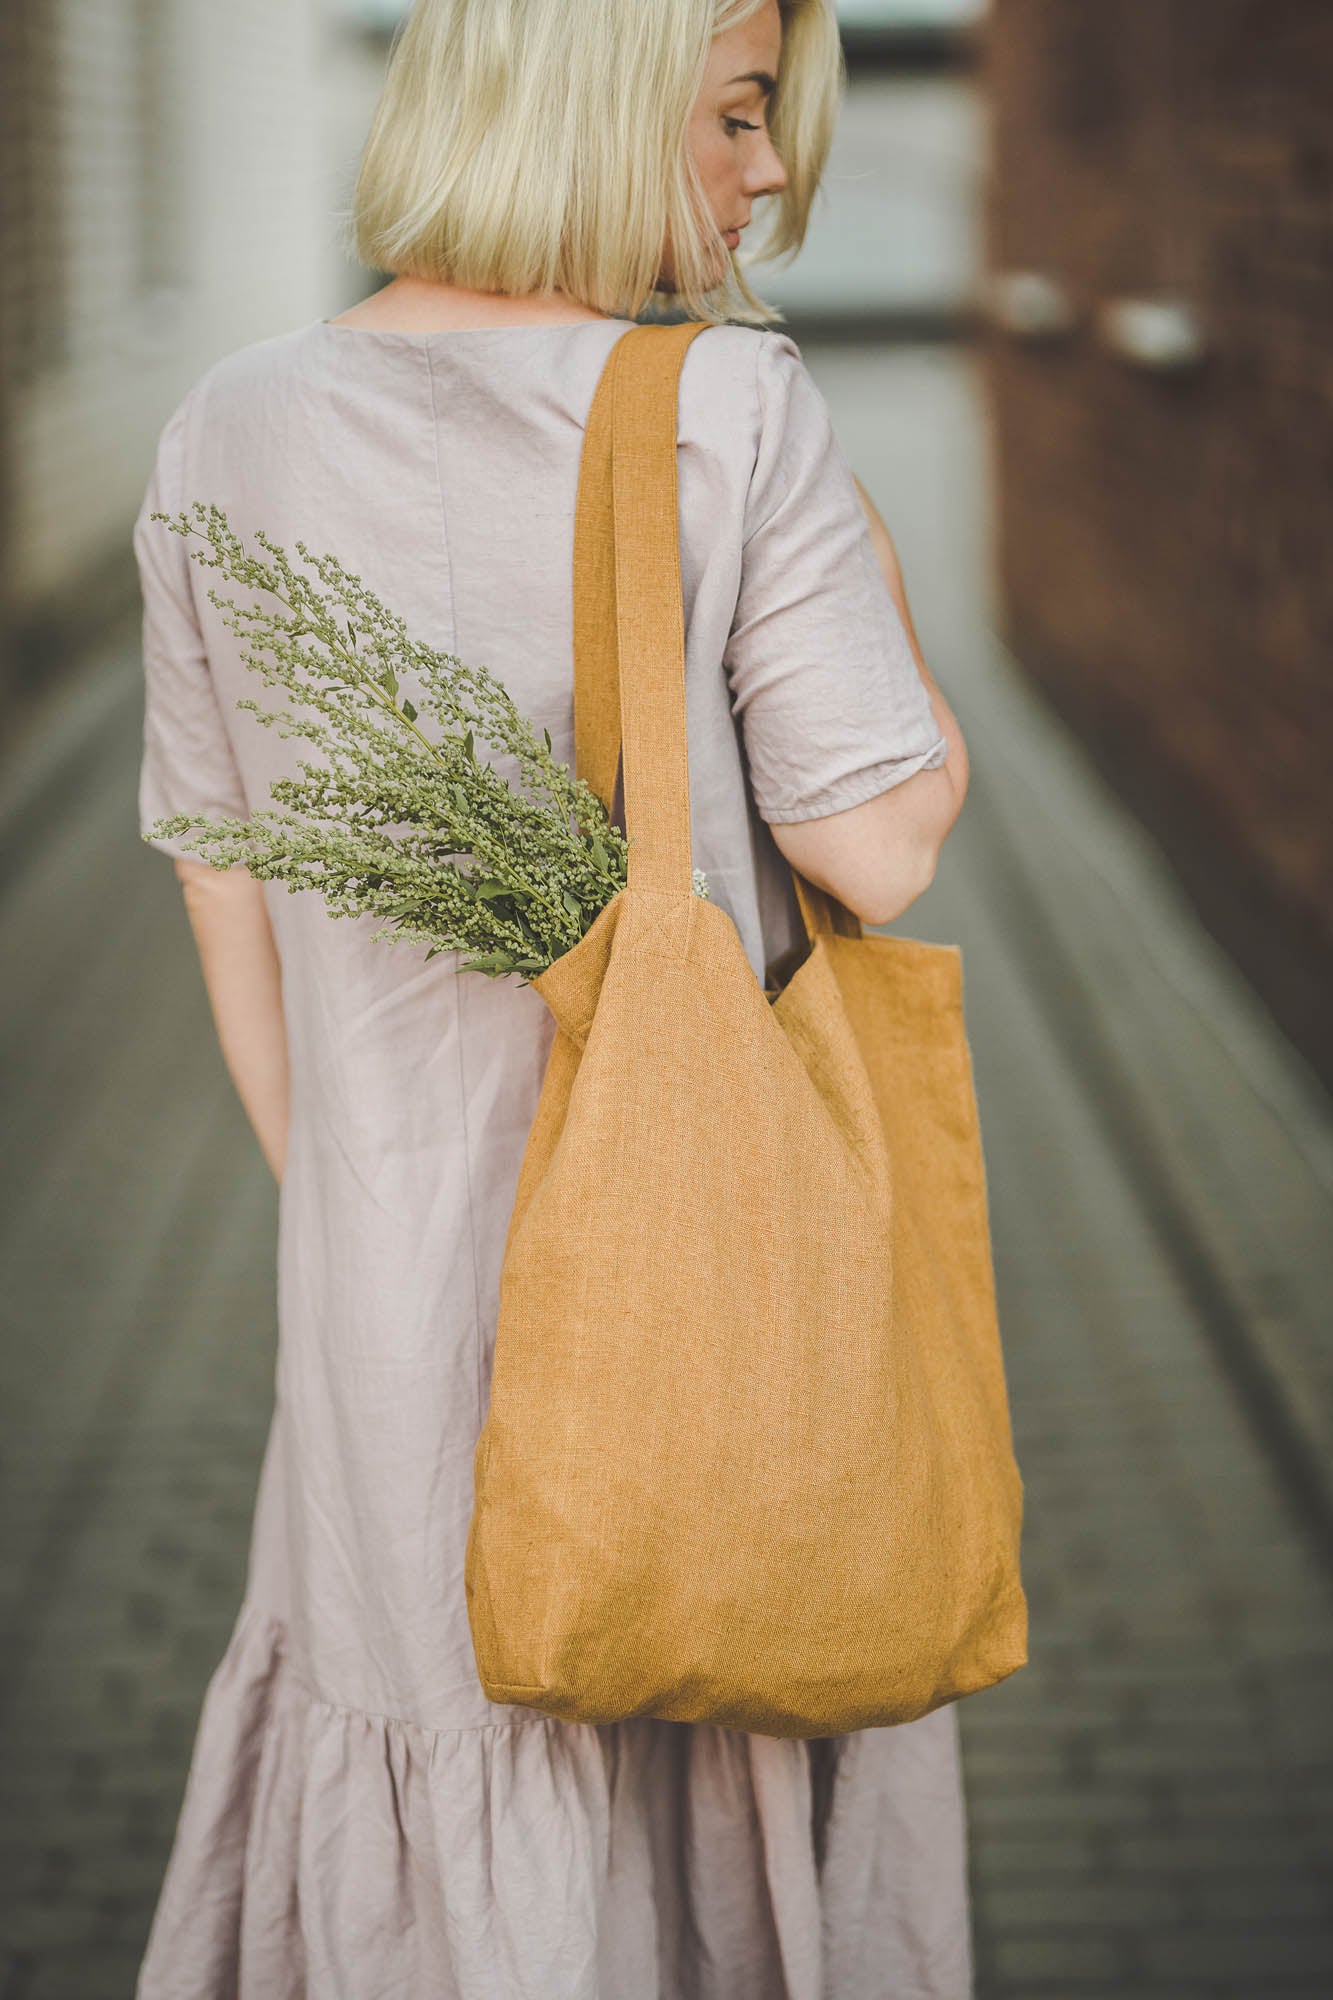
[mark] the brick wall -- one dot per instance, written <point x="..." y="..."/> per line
<point x="1163" y="542"/>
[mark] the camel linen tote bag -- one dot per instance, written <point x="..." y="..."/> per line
<point x="747" y="1458"/>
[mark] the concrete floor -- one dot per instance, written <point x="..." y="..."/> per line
<point x="1151" y="1797"/>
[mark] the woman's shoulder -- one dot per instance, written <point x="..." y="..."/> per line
<point x="753" y="379"/>
<point x="232" y="378"/>
<point x="255" y="364"/>
<point x="736" y="353"/>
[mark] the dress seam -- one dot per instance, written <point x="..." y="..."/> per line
<point x="458" y="997"/>
<point x="276" y="1630"/>
<point x="423" y="1728"/>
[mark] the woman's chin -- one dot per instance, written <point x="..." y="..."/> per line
<point x="719" y="263"/>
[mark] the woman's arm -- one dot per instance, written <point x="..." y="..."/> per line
<point x="243" y="975"/>
<point x="955" y="763"/>
<point x="878" y="857"/>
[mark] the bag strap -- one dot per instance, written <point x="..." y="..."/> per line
<point x="596" y="666"/>
<point x="629" y="634"/>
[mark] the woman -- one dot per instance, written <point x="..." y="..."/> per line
<point x="359" y="1820"/>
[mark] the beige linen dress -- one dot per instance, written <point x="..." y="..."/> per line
<point x="359" y="1822"/>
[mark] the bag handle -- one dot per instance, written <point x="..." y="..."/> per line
<point x="629" y="634"/>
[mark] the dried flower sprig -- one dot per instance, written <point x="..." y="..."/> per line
<point x="374" y="829"/>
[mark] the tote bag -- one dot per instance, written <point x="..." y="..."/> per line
<point x="747" y="1457"/>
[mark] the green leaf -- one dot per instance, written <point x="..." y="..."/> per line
<point x="409" y="709"/>
<point x="547" y="734"/>
<point x="491" y="887"/>
<point x="467" y="746"/>
<point x="599" y="854"/>
<point x="460" y="797"/>
<point x="572" y="903"/>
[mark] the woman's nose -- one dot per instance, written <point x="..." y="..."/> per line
<point x="767" y="175"/>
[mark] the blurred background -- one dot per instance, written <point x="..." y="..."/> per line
<point x="1069" y="293"/>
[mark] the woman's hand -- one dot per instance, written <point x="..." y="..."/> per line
<point x="243" y="975"/>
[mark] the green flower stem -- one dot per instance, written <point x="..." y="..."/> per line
<point x="508" y="873"/>
<point x="366" y="680"/>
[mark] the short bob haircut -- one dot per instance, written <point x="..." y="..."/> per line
<point x="540" y="146"/>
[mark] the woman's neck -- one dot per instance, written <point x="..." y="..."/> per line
<point x="417" y="305"/>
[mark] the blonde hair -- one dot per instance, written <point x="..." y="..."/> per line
<point x="540" y="145"/>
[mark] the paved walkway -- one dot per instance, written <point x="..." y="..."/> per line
<point x="1150" y="1798"/>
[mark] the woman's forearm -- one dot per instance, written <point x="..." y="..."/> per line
<point x="881" y="541"/>
<point x="243" y="975"/>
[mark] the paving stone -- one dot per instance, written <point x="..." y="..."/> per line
<point x="1002" y="1765"/>
<point x="1218" y="1853"/>
<point x="1027" y="1810"/>
<point x="42" y="1928"/>
<point x="1248" y="1951"/>
<point x="1109" y="1904"/>
<point x="1135" y="1987"/>
<point x="1035" y="1721"/>
<point x="1264" y="1899"/>
<point x="1207" y="1800"/>
<point x="1030" y="1959"/>
<point x="1209" y="1754"/>
<point x="1018" y="1859"/>
<point x="107" y="1974"/>
<point x="1196" y="1708"/>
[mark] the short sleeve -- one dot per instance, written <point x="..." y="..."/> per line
<point x="823" y="680"/>
<point x="188" y="764"/>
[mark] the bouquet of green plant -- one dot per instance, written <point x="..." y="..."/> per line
<point x="375" y="829"/>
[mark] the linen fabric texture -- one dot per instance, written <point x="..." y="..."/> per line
<point x="747" y="1458"/>
<point x="360" y="1820"/>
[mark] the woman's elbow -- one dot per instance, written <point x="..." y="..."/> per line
<point x="958" y="770"/>
<point x="912" y="840"/>
<point x="913" y="871"/>
<point x="879" y="856"/>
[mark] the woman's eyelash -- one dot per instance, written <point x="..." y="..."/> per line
<point x="738" y="125"/>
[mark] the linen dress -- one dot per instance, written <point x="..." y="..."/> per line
<point x="359" y="1822"/>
